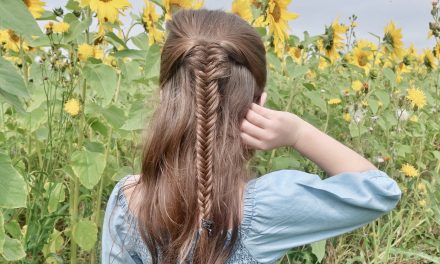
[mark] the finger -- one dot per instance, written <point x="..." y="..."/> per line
<point x="257" y="119"/>
<point x="251" y="141"/>
<point x="252" y="130"/>
<point x="261" y="110"/>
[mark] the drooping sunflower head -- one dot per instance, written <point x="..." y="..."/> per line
<point x="36" y="7"/>
<point x="428" y="59"/>
<point x="277" y="18"/>
<point x="332" y="41"/>
<point x="150" y="18"/>
<point x="393" y="40"/>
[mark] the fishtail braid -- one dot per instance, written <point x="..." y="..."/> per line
<point x="209" y="64"/>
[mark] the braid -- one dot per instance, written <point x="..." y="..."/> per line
<point x="208" y="59"/>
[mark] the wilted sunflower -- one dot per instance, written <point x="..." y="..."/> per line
<point x="393" y="39"/>
<point x="332" y="41"/>
<point x="277" y="17"/>
<point x="173" y="5"/>
<point x="242" y="8"/>
<point x="35" y="7"/>
<point x="416" y="97"/>
<point x="150" y="18"/>
<point x="107" y="10"/>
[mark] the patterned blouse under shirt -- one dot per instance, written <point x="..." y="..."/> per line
<point x="282" y="209"/>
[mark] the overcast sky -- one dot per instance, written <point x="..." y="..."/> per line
<point x="412" y="16"/>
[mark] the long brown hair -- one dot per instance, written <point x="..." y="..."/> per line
<point x="213" y="66"/>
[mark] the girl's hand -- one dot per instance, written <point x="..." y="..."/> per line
<point x="267" y="129"/>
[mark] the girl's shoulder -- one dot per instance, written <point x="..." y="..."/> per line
<point x="124" y="194"/>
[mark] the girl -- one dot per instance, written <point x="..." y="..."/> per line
<point x="195" y="201"/>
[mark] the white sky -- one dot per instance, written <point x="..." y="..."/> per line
<point x="412" y="16"/>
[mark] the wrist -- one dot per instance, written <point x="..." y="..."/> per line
<point x="296" y="128"/>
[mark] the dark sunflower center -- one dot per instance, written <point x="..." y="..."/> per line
<point x="13" y="36"/>
<point x="276" y="13"/>
<point x="27" y="3"/>
<point x="362" y="60"/>
<point x="105" y="1"/>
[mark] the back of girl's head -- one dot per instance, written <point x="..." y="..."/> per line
<point x="212" y="68"/>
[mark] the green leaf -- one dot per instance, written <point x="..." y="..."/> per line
<point x="280" y="163"/>
<point x="102" y="79"/>
<point x="13" y="249"/>
<point x="85" y="234"/>
<point x="10" y="81"/>
<point x="12" y="100"/>
<point x="76" y="27"/>
<point x="414" y="254"/>
<point x="114" y="116"/>
<point x="316" y="99"/>
<point x="15" y="15"/>
<point x="13" y="191"/>
<point x="152" y="62"/>
<point x="318" y="249"/>
<point x="56" y="195"/>
<point x="2" y="232"/>
<point x="383" y="97"/>
<point x="356" y="131"/>
<point x="374" y="106"/>
<point x="141" y="41"/>
<point x="390" y="75"/>
<point x="88" y="167"/>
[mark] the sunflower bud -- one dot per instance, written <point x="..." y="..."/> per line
<point x="77" y="13"/>
<point x="58" y="11"/>
<point x="373" y="74"/>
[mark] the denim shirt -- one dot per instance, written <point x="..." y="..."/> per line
<point x="282" y="209"/>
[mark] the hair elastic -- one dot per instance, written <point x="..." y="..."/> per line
<point x="208" y="225"/>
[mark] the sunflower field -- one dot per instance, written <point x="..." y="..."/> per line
<point x="76" y="85"/>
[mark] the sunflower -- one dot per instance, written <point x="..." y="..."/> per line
<point x="346" y="117"/>
<point x="150" y="19"/>
<point x="242" y="8"/>
<point x="296" y="54"/>
<point x="72" y="107"/>
<point x="277" y="18"/>
<point x="357" y="85"/>
<point x="332" y="41"/>
<point x="60" y="27"/>
<point x="436" y="51"/>
<point x="416" y="97"/>
<point x="86" y="51"/>
<point x="107" y="10"/>
<point x="428" y="59"/>
<point x="334" y="101"/>
<point x="409" y="170"/>
<point x="362" y="55"/>
<point x="10" y="40"/>
<point x="35" y="7"/>
<point x="393" y="40"/>
<point x="173" y="5"/>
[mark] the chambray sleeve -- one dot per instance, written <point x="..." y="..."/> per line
<point x="292" y="208"/>
<point x="115" y="247"/>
